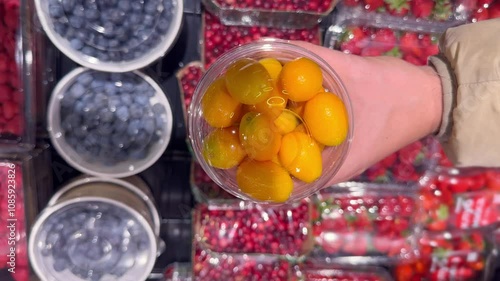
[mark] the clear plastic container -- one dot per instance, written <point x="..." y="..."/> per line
<point x="219" y="38"/>
<point x="450" y="256"/>
<point x="298" y="14"/>
<point x="188" y="77"/>
<point x="314" y="271"/>
<point x="113" y="125"/>
<point x="13" y="241"/>
<point x="365" y="38"/>
<point x="97" y="229"/>
<point x="209" y="266"/>
<point x="365" y="224"/>
<point x="460" y="198"/>
<point x="234" y="226"/>
<point x="17" y="108"/>
<point x="178" y="272"/>
<point x="328" y="160"/>
<point x="112" y="36"/>
<point x="432" y="14"/>
<point x="203" y="187"/>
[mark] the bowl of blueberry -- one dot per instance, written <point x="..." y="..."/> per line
<point x="109" y="124"/>
<point x="96" y="229"/>
<point x="111" y="35"/>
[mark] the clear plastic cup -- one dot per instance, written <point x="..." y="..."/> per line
<point x="332" y="157"/>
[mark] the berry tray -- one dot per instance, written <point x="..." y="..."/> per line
<point x="234" y="226"/>
<point x="450" y="256"/>
<point x="218" y="38"/>
<point x="311" y="270"/>
<point x="286" y="13"/>
<point x="365" y="224"/>
<point x="17" y="129"/>
<point x="189" y="76"/>
<point x="461" y="198"/>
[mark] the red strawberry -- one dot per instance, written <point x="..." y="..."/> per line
<point x="422" y="8"/>
<point x="494" y="10"/>
<point x="384" y="39"/>
<point x="377" y="173"/>
<point x="389" y="160"/>
<point x="442" y="10"/>
<point x="455" y="184"/>
<point x="411" y="154"/>
<point x="484" y="3"/>
<point x="410" y="45"/>
<point x="429" y="45"/>
<point x="351" y="3"/>
<point x="353" y="40"/>
<point x="404" y="172"/>
<point x="413" y="60"/>
<point x="493" y="179"/>
<point x="372" y="5"/>
<point x="480" y="15"/>
<point x="397" y="7"/>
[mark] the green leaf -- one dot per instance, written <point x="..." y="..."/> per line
<point x="443" y="212"/>
<point x="394" y="52"/>
<point x="439" y="252"/>
<point x="419" y="159"/>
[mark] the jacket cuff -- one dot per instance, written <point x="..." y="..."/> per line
<point x="448" y="84"/>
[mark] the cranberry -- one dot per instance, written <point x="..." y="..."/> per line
<point x="375" y="223"/>
<point x="316" y="6"/>
<point x="188" y="78"/>
<point x="11" y="108"/>
<point x="231" y="36"/>
<point x="11" y="176"/>
<point x="312" y="270"/>
<point x="204" y="186"/>
<point x="460" y="198"/>
<point x="210" y="266"/>
<point x="244" y="227"/>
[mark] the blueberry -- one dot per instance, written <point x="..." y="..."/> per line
<point x="79" y="132"/>
<point x="113" y="103"/>
<point x="135" y="19"/>
<point x="103" y="56"/>
<point x="89" y="51"/>
<point x="54" y="2"/>
<point x="122" y="113"/>
<point x="92" y="14"/>
<point x="76" y="43"/>
<point x="158" y="108"/>
<point x="113" y="43"/>
<point x="133" y="127"/>
<point x="126" y="98"/>
<point x="142" y="138"/>
<point x="116" y="16"/>
<point x="133" y="42"/>
<point x="78" y="89"/>
<point x="110" y="88"/>
<point x="97" y="84"/>
<point x="151" y="7"/>
<point x="85" y="79"/>
<point x="60" y="264"/>
<point x="78" y="271"/>
<point x="68" y="100"/>
<point x="163" y="25"/>
<point x="128" y="56"/>
<point x="128" y="87"/>
<point x="70" y="32"/>
<point x="148" y="124"/>
<point x="79" y="11"/>
<point x="90" y="140"/>
<point x="116" y="77"/>
<point x="60" y="28"/>
<point x="149" y="20"/>
<point x="141" y="99"/>
<point x="138" y="154"/>
<point x="160" y="121"/>
<point x="124" y="5"/>
<point x="120" y="126"/>
<point x="56" y="11"/>
<point x="68" y="5"/>
<point x="136" y="6"/>
<point x="101" y="42"/>
<point x="115" y="56"/>
<point x="121" y="141"/>
<point x="105" y="129"/>
<point x="100" y="98"/>
<point x="136" y="111"/>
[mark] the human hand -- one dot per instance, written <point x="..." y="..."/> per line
<point x="394" y="103"/>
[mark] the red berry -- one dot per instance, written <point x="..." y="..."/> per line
<point x="410" y="44"/>
<point x="422" y="8"/>
<point x="480" y="15"/>
<point x="397" y="7"/>
<point x="384" y="39"/>
<point x="494" y="10"/>
<point x="372" y="5"/>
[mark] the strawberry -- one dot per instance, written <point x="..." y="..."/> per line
<point x="454" y="184"/>
<point x="442" y="10"/>
<point x="430" y="46"/>
<point x="372" y="5"/>
<point x="377" y="173"/>
<point x="422" y="8"/>
<point x="410" y="44"/>
<point x="389" y="160"/>
<point x="351" y="3"/>
<point x="494" y="10"/>
<point x="480" y="15"/>
<point x="493" y="179"/>
<point x="411" y="154"/>
<point x="385" y="39"/>
<point x="413" y="60"/>
<point x="353" y="40"/>
<point x="397" y="7"/>
<point x="403" y="172"/>
<point x="484" y="3"/>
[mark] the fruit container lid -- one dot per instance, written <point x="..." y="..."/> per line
<point x="460" y="198"/>
<point x="365" y="224"/>
<point x="204" y="188"/>
<point x="432" y="15"/>
<point x="124" y="119"/>
<point x="17" y="115"/>
<point x="218" y="38"/>
<point x="209" y="266"/>
<point x="113" y="36"/>
<point x="178" y="272"/>
<point x="242" y="227"/>
<point x="300" y="14"/>
<point x="74" y="241"/>
<point x="312" y="270"/>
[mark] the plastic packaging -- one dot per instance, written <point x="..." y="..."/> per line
<point x="178" y="272"/>
<point x="426" y="13"/>
<point x="209" y="266"/>
<point x="113" y="125"/>
<point x="203" y="187"/>
<point x="448" y="256"/>
<point x="461" y="198"/>
<point x="322" y="165"/>
<point x="364" y="38"/>
<point x="72" y="240"/>
<point x="188" y="77"/>
<point x="314" y="271"/>
<point x="365" y="224"/>
<point x="112" y="36"/>
<point x="219" y="38"/>
<point x="299" y="14"/>
<point x="17" y="116"/>
<point x="13" y="242"/>
<point x="483" y="10"/>
<point x="234" y="226"/>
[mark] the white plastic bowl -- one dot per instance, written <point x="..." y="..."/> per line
<point x="122" y="169"/>
<point x="167" y="41"/>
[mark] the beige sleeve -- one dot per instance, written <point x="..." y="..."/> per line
<point x="469" y="67"/>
